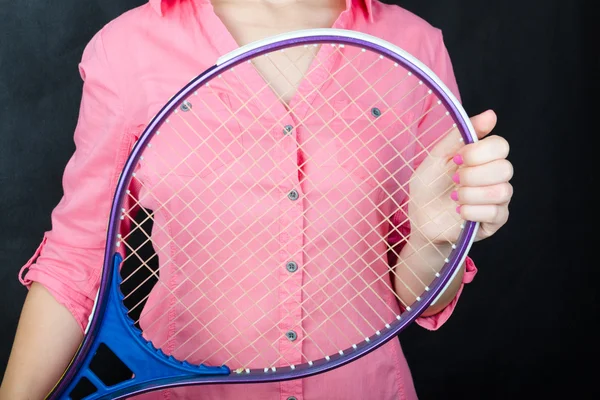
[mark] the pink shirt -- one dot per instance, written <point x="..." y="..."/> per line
<point x="129" y="71"/>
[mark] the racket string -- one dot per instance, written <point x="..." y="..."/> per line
<point x="216" y="197"/>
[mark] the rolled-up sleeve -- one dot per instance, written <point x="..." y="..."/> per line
<point x="69" y="259"/>
<point x="434" y="322"/>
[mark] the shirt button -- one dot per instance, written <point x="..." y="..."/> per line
<point x="186" y="106"/>
<point x="287" y="129"/>
<point x="291" y="335"/>
<point x="292" y="398"/>
<point x="291" y="266"/>
<point x="293" y="195"/>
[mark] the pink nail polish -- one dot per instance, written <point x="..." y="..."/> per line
<point x="456" y="178"/>
<point x="454" y="195"/>
<point x="458" y="160"/>
<point x="458" y="209"/>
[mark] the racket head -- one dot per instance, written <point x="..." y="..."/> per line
<point x="111" y="277"/>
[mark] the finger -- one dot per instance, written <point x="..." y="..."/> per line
<point x="496" y="215"/>
<point x="489" y="149"/>
<point x="484" y="123"/>
<point x="483" y="195"/>
<point x="492" y="173"/>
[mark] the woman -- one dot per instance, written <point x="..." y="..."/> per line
<point x="129" y="68"/>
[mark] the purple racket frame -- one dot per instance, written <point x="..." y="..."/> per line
<point x="313" y="36"/>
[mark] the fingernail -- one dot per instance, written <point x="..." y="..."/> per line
<point x="456" y="178"/>
<point x="458" y="209"/>
<point x="454" y="195"/>
<point x="458" y="160"/>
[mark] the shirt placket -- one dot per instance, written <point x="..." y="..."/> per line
<point x="290" y="258"/>
<point x="292" y="236"/>
<point x="283" y="127"/>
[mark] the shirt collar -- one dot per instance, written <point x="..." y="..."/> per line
<point x="158" y="5"/>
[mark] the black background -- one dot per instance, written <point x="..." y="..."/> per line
<point x="524" y="328"/>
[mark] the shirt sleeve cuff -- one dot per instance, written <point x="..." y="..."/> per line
<point x="434" y="322"/>
<point x="79" y="306"/>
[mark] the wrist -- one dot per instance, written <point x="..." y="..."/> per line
<point x="417" y="242"/>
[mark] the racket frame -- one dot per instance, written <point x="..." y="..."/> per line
<point x="109" y="290"/>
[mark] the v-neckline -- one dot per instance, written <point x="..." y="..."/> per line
<point x="226" y="43"/>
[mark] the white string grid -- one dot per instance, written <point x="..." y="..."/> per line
<point x="212" y="182"/>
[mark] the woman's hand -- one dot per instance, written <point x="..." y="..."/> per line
<point x="474" y="185"/>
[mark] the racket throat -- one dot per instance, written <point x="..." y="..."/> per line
<point x="115" y="335"/>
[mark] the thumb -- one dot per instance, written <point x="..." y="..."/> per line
<point x="484" y="123"/>
<point x="449" y="145"/>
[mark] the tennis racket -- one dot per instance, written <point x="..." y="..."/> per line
<point x="262" y="225"/>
